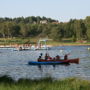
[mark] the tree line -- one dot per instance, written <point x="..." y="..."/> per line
<point x="45" y="27"/>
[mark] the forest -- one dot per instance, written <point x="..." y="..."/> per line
<point x="75" y="29"/>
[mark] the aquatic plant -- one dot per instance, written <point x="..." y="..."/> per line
<point x="7" y="83"/>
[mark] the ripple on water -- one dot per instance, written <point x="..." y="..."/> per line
<point x="14" y="63"/>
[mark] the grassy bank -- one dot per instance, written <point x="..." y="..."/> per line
<point x="7" y="83"/>
<point x="11" y="41"/>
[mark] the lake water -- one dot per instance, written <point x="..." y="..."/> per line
<point x="15" y="63"/>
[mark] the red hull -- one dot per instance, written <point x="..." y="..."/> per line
<point x="76" y="60"/>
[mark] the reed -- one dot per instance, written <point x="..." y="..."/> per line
<point x="7" y="83"/>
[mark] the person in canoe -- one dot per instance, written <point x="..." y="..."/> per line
<point x="57" y="57"/>
<point x="47" y="57"/>
<point x="66" y="56"/>
<point x="40" y="57"/>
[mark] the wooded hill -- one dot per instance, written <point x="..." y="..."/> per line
<point x="45" y="27"/>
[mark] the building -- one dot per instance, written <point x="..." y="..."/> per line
<point x="43" y="21"/>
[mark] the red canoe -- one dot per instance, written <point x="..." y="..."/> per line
<point x="75" y="60"/>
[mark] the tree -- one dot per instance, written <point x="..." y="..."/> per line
<point x="57" y="33"/>
<point x="87" y="23"/>
<point x="77" y="30"/>
<point x="24" y="30"/>
<point x="3" y="29"/>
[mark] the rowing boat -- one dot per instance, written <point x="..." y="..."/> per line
<point x="75" y="60"/>
<point x="46" y="63"/>
<point x="54" y="62"/>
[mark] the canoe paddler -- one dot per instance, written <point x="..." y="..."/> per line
<point x="66" y="56"/>
<point x="40" y="57"/>
<point x="41" y="54"/>
<point x="57" y="57"/>
<point x="46" y="56"/>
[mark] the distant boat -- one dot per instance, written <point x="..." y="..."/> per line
<point x="21" y="48"/>
<point x="41" y="45"/>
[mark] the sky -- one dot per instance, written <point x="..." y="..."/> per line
<point x="61" y="10"/>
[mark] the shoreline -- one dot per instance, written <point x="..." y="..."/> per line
<point x="73" y="45"/>
<point x="48" y="45"/>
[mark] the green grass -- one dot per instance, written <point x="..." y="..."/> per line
<point x="6" y="83"/>
<point x="8" y="41"/>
